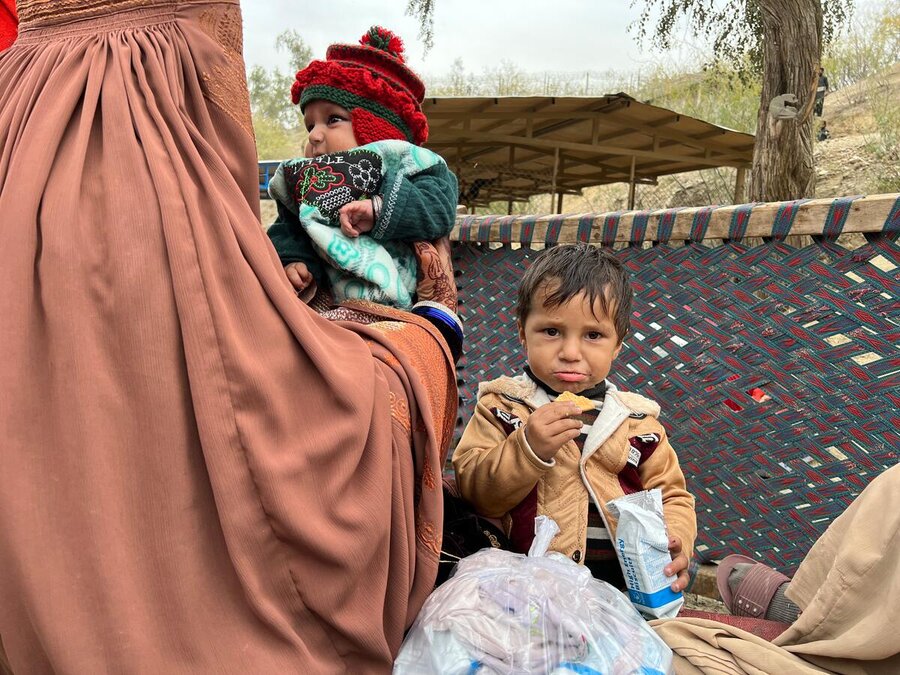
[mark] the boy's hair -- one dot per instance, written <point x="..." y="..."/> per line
<point x="579" y="268"/>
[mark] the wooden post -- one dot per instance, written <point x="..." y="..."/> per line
<point x="559" y="202"/>
<point x="555" y="171"/>
<point x="512" y="162"/>
<point x="739" y="185"/>
<point x="631" y="186"/>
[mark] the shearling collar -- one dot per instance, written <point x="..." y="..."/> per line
<point x="522" y="388"/>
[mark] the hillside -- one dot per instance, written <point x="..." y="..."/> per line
<point x="862" y="155"/>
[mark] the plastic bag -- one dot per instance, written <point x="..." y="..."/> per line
<point x="504" y="612"/>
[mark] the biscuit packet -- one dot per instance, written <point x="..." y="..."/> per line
<point x="642" y="545"/>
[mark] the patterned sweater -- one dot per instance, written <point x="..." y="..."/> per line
<point x="419" y="197"/>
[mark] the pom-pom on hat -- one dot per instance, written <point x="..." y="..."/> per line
<point x="373" y="82"/>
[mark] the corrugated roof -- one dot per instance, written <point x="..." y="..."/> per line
<point x="504" y="148"/>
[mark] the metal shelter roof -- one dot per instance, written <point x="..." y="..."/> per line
<point x="511" y="148"/>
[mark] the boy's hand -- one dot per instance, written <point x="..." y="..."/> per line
<point x="550" y="427"/>
<point x="299" y="275"/>
<point x="678" y="566"/>
<point x="357" y="218"/>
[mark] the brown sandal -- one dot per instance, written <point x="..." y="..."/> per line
<point x="754" y="593"/>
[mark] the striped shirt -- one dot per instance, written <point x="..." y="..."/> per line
<point x="600" y="555"/>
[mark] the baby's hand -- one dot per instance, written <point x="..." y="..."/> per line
<point x="357" y="218"/>
<point x="550" y="427"/>
<point x="679" y="565"/>
<point x="299" y="275"/>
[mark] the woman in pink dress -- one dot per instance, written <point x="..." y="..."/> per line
<point x="199" y="473"/>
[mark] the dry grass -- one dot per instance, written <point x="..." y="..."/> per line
<point x="267" y="212"/>
<point x="704" y="604"/>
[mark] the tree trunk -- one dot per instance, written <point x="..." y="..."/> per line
<point x="792" y="48"/>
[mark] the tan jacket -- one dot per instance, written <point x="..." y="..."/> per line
<point x="497" y="471"/>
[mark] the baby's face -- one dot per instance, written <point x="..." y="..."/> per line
<point x="329" y="127"/>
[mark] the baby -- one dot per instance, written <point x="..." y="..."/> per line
<point x="348" y="211"/>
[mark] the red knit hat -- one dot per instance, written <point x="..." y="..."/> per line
<point x="373" y="82"/>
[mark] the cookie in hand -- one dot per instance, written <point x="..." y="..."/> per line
<point x="583" y="403"/>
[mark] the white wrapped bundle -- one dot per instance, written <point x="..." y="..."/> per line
<point x="504" y="612"/>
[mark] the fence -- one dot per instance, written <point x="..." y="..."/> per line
<point x="776" y="366"/>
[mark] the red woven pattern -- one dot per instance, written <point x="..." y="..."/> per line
<point x="767" y="630"/>
<point x="777" y="370"/>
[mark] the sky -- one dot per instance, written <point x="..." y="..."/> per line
<point x="535" y="35"/>
<point x="576" y="35"/>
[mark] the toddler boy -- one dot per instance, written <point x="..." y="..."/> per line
<point x="525" y="453"/>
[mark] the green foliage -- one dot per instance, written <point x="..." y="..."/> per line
<point x="274" y="141"/>
<point x="721" y="94"/>
<point x="423" y="11"/>
<point x="300" y="53"/>
<point x="735" y="26"/>
<point x="507" y="79"/>
<point x="871" y="44"/>
<point x="270" y="96"/>
<point x="885" y="142"/>
<point x="870" y="50"/>
<point x="459" y="82"/>
<point x="277" y="122"/>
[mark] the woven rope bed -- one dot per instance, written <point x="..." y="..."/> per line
<point x="777" y="367"/>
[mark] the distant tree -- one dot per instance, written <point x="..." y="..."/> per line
<point x="780" y="40"/>
<point x="871" y="45"/>
<point x="300" y="53"/>
<point x="459" y="83"/>
<point x="718" y="93"/>
<point x="277" y="122"/>
<point x="507" y="79"/>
